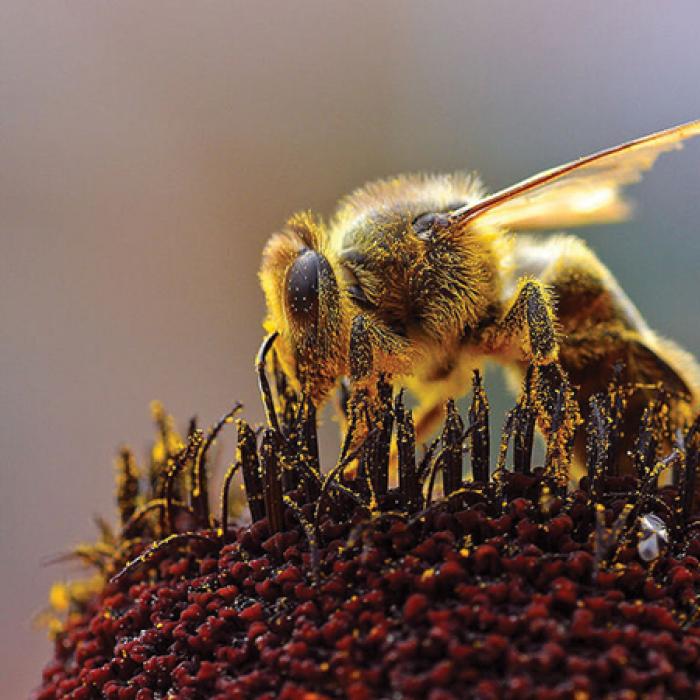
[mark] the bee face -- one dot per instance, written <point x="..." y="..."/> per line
<point x="304" y="304"/>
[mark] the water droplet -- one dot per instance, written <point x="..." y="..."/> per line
<point x="653" y="537"/>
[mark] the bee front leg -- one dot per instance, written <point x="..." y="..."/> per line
<point x="352" y="402"/>
<point x="355" y="403"/>
<point x="361" y="353"/>
<point x="371" y="344"/>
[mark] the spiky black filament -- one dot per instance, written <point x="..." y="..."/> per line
<point x="282" y="476"/>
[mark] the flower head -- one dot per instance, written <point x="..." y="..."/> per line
<point x="451" y="576"/>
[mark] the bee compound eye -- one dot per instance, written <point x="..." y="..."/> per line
<point x="303" y="286"/>
<point x="425" y="224"/>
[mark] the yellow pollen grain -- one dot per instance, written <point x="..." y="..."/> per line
<point x="59" y="598"/>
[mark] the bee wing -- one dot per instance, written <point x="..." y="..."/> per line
<point x="585" y="191"/>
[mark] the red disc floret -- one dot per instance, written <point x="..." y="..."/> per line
<point x="448" y="604"/>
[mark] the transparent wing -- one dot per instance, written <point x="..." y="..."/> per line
<point x="585" y="191"/>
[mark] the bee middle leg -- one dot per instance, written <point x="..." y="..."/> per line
<point x="608" y="353"/>
<point x="531" y="317"/>
<point x="530" y="314"/>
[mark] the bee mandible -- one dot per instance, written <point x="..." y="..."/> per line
<point x="423" y="279"/>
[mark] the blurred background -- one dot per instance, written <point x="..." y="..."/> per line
<point x="149" y="148"/>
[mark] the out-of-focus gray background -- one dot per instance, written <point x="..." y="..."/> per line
<point x="149" y="148"/>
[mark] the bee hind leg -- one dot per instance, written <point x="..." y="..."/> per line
<point x="598" y="355"/>
<point x="604" y="339"/>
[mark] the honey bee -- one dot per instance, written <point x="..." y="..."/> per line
<point x="423" y="279"/>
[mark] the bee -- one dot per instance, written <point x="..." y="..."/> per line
<point x="423" y="279"/>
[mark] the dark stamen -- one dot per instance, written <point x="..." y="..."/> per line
<point x="252" y="476"/>
<point x="452" y="442"/>
<point x="479" y="425"/>
<point x="409" y="485"/>
<point x="272" y="476"/>
<point x="127" y="485"/>
<point x="200" y="494"/>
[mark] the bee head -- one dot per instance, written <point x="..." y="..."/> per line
<point x="304" y="304"/>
